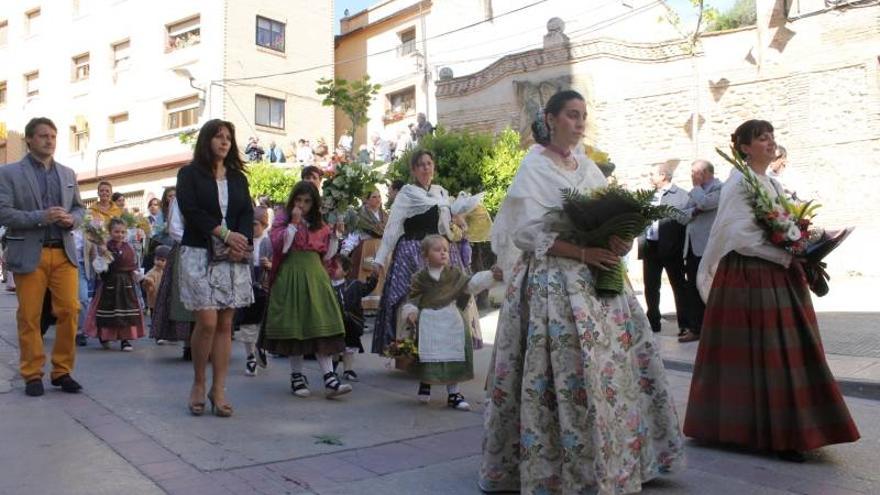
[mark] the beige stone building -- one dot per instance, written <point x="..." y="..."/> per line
<point x="122" y="79"/>
<point x="812" y="71"/>
<point x="404" y="44"/>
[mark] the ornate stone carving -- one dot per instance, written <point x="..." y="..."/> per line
<point x="531" y="98"/>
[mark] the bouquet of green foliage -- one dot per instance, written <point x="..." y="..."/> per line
<point x="589" y="220"/>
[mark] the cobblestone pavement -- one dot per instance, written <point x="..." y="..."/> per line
<point x="130" y="433"/>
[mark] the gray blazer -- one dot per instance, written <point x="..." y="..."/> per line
<point x="22" y="212"/>
<point x="700" y="211"/>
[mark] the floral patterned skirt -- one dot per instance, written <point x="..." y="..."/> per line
<point x="212" y="286"/>
<point x="578" y="397"/>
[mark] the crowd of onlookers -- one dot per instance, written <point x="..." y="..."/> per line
<point x="384" y="147"/>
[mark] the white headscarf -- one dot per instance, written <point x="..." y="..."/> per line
<point x="411" y="201"/>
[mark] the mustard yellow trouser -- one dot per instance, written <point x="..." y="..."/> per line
<point x="60" y="276"/>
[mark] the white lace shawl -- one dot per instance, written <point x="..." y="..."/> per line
<point x="735" y="229"/>
<point x="537" y="187"/>
<point x="411" y="201"/>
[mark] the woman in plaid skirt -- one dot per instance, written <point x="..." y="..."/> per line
<point x="760" y="378"/>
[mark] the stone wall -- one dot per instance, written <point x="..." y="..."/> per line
<point x="816" y="80"/>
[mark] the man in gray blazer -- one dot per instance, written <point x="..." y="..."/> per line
<point x="700" y="211"/>
<point x="40" y="206"/>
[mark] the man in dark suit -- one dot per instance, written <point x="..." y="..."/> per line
<point x="40" y="206"/>
<point x="660" y="249"/>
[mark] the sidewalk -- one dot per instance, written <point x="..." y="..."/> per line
<point x="129" y="432"/>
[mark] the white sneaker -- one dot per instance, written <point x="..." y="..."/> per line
<point x="250" y="367"/>
<point x="161" y="342"/>
<point x="456" y="401"/>
<point x="299" y="385"/>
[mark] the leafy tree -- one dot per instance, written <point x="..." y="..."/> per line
<point x="469" y="161"/>
<point x="266" y="179"/>
<point x="742" y="13"/>
<point x="352" y="97"/>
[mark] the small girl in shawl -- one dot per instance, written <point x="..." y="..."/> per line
<point x="115" y="313"/>
<point x="438" y="296"/>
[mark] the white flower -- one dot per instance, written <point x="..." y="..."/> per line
<point x="794" y="233"/>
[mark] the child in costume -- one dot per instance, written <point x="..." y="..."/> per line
<point x="438" y="296"/>
<point x="250" y="318"/>
<point x="302" y="315"/>
<point x="115" y="312"/>
<point x="349" y="294"/>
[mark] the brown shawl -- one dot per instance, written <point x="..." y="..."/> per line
<point x="425" y="292"/>
<point x="366" y="222"/>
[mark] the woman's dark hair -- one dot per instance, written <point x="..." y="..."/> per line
<point x="747" y="131"/>
<point x="540" y="129"/>
<point x="309" y="170"/>
<point x="414" y="159"/>
<point x="165" y="205"/>
<point x="314" y="215"/>
<point x="115" y="197"/>
<point x="204" y="157"/>
<point x="116" y="221"/>
<point x="397" y="184"/>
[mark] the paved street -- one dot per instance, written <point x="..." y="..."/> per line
<point x="130" y="432"/>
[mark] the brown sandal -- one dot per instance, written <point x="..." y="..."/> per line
<point x="197" y="408"/>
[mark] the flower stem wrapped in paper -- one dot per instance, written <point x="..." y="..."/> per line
<point x="589" y="220"/>
<point x="95" y="232"/>
<point x="788" y="223"/>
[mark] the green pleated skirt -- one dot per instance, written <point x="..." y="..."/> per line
<point x="303" y="316"/>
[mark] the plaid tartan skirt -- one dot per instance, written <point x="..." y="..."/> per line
<point x="760" y="379"/>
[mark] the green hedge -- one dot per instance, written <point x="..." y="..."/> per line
<point x="267" y="179"/>
<point x="469" y="161"/>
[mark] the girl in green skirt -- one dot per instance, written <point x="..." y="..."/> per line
<point x="437" y="298"/>
<point x="302" y="316"/>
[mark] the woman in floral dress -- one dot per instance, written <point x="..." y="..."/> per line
<point x="578" y="399"/>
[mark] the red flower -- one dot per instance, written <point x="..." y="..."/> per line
<point x="777" y="238"/>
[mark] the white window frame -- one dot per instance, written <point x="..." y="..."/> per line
<point x="184" y="108"/>
<point x="263" y="101"/>
<point x="29" y="24"/>
<point x="114" y="127"/>
<point x="81" y="67"/>
<point x="183" y="34"/>
<point x="121" y="47"/>
<point x="79" y="139"/>
<point x="408" y="46"/>
<point x="390" y="97"/>
<point x="32" y="79"/>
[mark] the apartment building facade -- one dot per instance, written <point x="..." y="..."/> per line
<point x="124" y="79"/>
<point x="409" y="45"/>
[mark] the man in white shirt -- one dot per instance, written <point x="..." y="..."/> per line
<point x="660" y="249"/>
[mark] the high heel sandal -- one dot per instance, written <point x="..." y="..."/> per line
<point x="219" y="410"/>
<point x="196" y="408"/>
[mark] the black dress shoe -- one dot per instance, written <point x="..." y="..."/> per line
<point x="187" y="354"/>
<point x="67" y="384"/>
<point x="34" y="388"/>
<point x="81" y="340"/>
